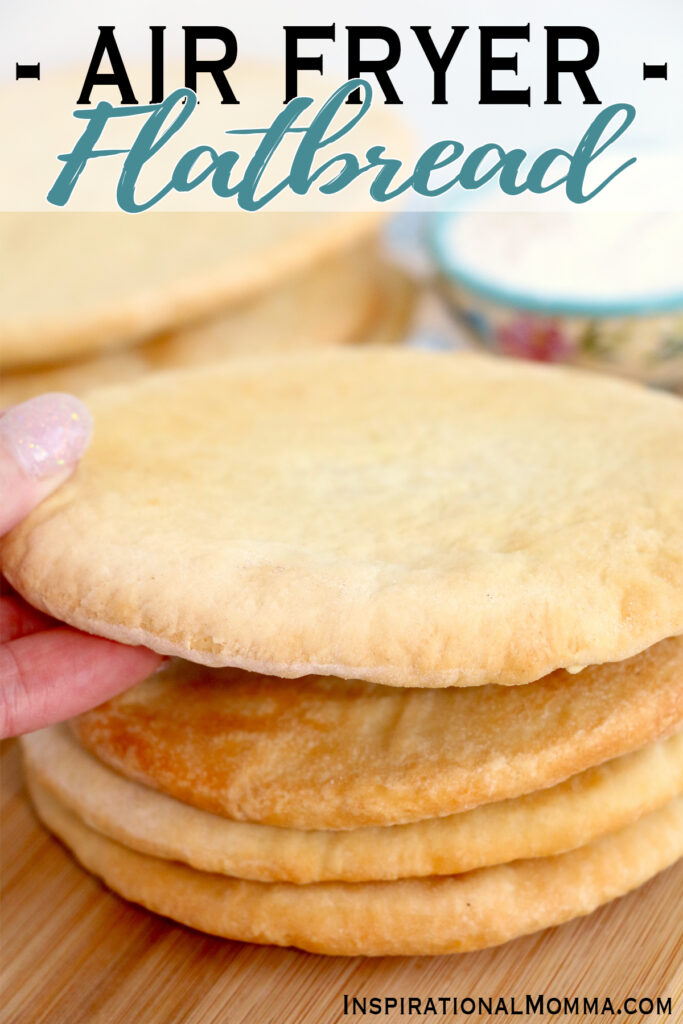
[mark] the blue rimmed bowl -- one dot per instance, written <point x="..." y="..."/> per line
<point x="637" y="336"/>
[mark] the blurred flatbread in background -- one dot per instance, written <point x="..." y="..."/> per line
<point x="356" y="298"/>
<point x="78" y="283"/>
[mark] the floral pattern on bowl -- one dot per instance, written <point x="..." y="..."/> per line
<point x="647" y="348"/>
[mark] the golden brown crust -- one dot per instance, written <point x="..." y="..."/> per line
<point x="319" y="753"/>
<point x="397" y="516"/>
<point x="540" y="824"/>
<point x="408" y="917"/>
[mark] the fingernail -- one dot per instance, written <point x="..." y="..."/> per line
<point x="47" y="434"/>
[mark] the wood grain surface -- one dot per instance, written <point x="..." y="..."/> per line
<point x="75" y="953"/>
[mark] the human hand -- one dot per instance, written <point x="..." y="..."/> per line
<point x="49" y="671"/>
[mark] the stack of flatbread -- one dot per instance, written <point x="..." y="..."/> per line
<point x="424" y="615"/>
<point x="92" y="299"/>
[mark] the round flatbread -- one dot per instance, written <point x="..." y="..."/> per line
<point x="324" y="753"/>
<point x="403" y="517"/>
<point x="407" y="917"/>
<point x="541" y="824"/>
<point x="354" y="298"/>
<point x="81" y="283"/>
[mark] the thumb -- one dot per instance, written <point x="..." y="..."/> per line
<point x="40" y="443"/>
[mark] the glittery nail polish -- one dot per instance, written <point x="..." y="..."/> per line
<point x="47" y="434"/>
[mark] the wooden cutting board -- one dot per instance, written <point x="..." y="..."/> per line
<point x="76" y="954"/>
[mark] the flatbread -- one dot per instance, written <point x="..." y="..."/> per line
<point x="399" y="516"/>
<point x="407" y="917"/>
<point x="541" y="824"/>
<point x="80" y="283"/>
<point x="353" y="298"/>
<point x="322" y="753"/>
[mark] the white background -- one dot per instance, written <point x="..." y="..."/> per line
<point x="62" y="34"/>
